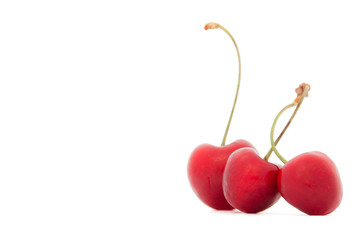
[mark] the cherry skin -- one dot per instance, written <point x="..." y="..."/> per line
<point x="250" y="182"/>
<point x="205" y="171"/>
<point x="311" y="183"/>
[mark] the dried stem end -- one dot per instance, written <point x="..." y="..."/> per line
<point x="299" y="91"/>
<point x="211" y="26"/>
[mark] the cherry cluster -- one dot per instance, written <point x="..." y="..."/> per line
<point x="235" y="176"/>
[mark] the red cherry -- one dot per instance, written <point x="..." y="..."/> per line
<point x="250" y="182"/>
<point x="205" y="171"/>
<point x="207" y="162"/>
<point x="311" y="183"/>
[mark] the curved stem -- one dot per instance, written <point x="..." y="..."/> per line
<point x="237" y="88"/>
<point x="273" y="145"/>
<point x="214" y="26"/>
<point x="266" y="158"/>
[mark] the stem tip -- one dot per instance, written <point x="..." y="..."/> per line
<point x="211" y="25"/>
<point x="300" y="90"/>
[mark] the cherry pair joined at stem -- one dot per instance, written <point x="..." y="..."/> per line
<point x="250" y="183"/>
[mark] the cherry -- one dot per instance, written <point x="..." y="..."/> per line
<point x="207" y="162"/>
<point x="310" y="181"/>
<point x="250" y="183"/>
<point x="205" y="170"/>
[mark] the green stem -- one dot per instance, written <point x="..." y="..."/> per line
<point x="238" y="85"/>
<point x="266" y="158"/>
<point x="273" y="145"/>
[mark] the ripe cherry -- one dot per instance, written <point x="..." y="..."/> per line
<point x="207" y="162"/>
<point x="311" y="183"/>
<point x="205" y="170"/>
<point x="250" y="183"/>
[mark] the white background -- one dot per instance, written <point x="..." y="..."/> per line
<point x="102" y="102"/>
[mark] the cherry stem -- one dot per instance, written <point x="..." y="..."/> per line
<point x="297" y="103"/>
<point x="266" y="158"/>
<point x="214" y="26"/>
